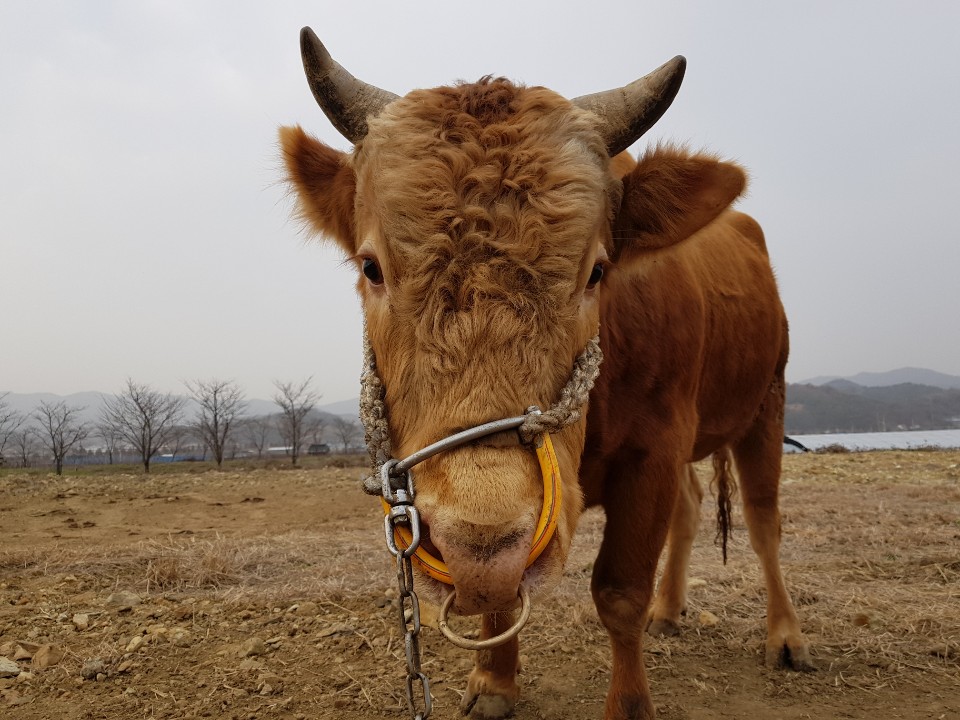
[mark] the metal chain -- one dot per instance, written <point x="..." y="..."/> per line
<point x="403" y="512"/>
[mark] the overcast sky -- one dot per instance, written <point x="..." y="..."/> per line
<point x="143" y="232"/>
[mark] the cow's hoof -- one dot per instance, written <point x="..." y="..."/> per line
<point x="663" y="627"/>
<point x="791" y="653"/>
<point x="487" y="707"/>
<point x="489" y="697"/>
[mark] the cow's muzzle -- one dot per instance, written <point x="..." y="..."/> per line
<point x="400" y="537"/>
<point x="404" y="538"/>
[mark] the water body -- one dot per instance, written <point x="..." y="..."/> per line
<point x="904" y="440"/>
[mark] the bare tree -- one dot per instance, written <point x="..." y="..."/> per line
<point x="221" y="405"/>
<point x="347" y="432"/>
<point x="257" y="431"/>
<point x="318" y="423"/>
<point x="60" y="429"/>
<point x="296" y="402"/>
<point x="10" y="422"/>
<point x="179" y="437"/>
<point x="24" y="443"/>
<point x="111" y="438"/>
<point x="145" y="418"/>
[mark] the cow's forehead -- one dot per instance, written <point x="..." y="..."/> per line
<point x="489" y="163"/>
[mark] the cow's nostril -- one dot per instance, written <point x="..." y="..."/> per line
<point x="486" y="550"/>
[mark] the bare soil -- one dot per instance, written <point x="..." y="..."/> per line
<point x="267" y="593"/>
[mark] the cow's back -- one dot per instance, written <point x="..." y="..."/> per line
<point x="693" y="338"/>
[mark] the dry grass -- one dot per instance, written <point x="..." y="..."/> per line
<point x="265" y="569"/>
<point x="869" y="551"/>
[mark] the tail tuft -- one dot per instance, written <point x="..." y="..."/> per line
<point x="724" y="484"/>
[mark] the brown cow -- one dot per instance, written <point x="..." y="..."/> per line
<point x="494" y="237"/>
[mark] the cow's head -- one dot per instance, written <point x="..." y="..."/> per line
<point x="481" y="219"/>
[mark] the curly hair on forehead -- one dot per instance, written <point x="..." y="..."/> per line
<point x="489" y="100"/>
<point x="488" y="162"/>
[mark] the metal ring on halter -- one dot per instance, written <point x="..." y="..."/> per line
<point x="500" y="639"/>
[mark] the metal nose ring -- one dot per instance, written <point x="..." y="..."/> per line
<point x="500" y="639"/>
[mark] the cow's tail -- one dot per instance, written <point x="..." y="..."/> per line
<point x="724" y="484"/>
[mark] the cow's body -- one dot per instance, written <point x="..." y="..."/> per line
<point x="482" y="219"/>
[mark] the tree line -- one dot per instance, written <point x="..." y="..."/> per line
<point x="145" y="422"/>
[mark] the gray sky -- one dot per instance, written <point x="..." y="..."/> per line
<point x="143" y="232"/>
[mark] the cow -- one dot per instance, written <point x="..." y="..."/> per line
<point x="496" y="230"/>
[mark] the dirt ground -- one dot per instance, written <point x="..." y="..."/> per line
<point x="267" y="593"/>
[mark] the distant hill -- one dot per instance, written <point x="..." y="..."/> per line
<point x="841" y="405"/>
<point x="912" y="375"/>
<point x="350" y="408"/>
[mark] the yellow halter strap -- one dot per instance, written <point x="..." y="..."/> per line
<point x="546" y="524"/>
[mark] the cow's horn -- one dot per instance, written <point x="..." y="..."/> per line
<point x="630" y="111"/>
<point x="346" y="101"/>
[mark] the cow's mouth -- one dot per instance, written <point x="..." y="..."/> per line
<point x="536" y="576"/>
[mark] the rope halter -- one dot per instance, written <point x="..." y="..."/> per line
<point x="392" y="479"/>
<point x="373" y="415"/>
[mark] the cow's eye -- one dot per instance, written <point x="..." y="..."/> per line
<point x="595" y="275"/>
<point x="372" y="270"/>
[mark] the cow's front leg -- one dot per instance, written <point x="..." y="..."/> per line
<point x="638" y="504"/>
<point x="492" y="689"/>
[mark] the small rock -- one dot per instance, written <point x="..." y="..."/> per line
<point x="8" y="668"/>
<point x="25" y="676"/>
<point x="125" y="666"/>
<point x="91" y="669"/>
<point x="249" y="664"/>
<point x="308" y="608"/>
<point x="708" y="619"/>
<point x="136" y="642"/>
<point x="47" y="656"/>
<point x="179" y="637"/>
<point x="861" y="620"/>
<point x="81" y="621"/>
<point x="252" y="647"/>
<point x="335" y="629"/>
<point x="123" y="600"/>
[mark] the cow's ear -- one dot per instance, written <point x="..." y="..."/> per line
<point x="670" y="195"/>
<point x="324" y="184"/>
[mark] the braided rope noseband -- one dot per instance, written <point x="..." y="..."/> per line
<point x="564" y="412"/>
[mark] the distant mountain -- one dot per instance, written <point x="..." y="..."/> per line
<point x="844" y="406"/>
<point x="350" y="408"/>
<point x="26" y="403"/>
<point x="915" y="376"/>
